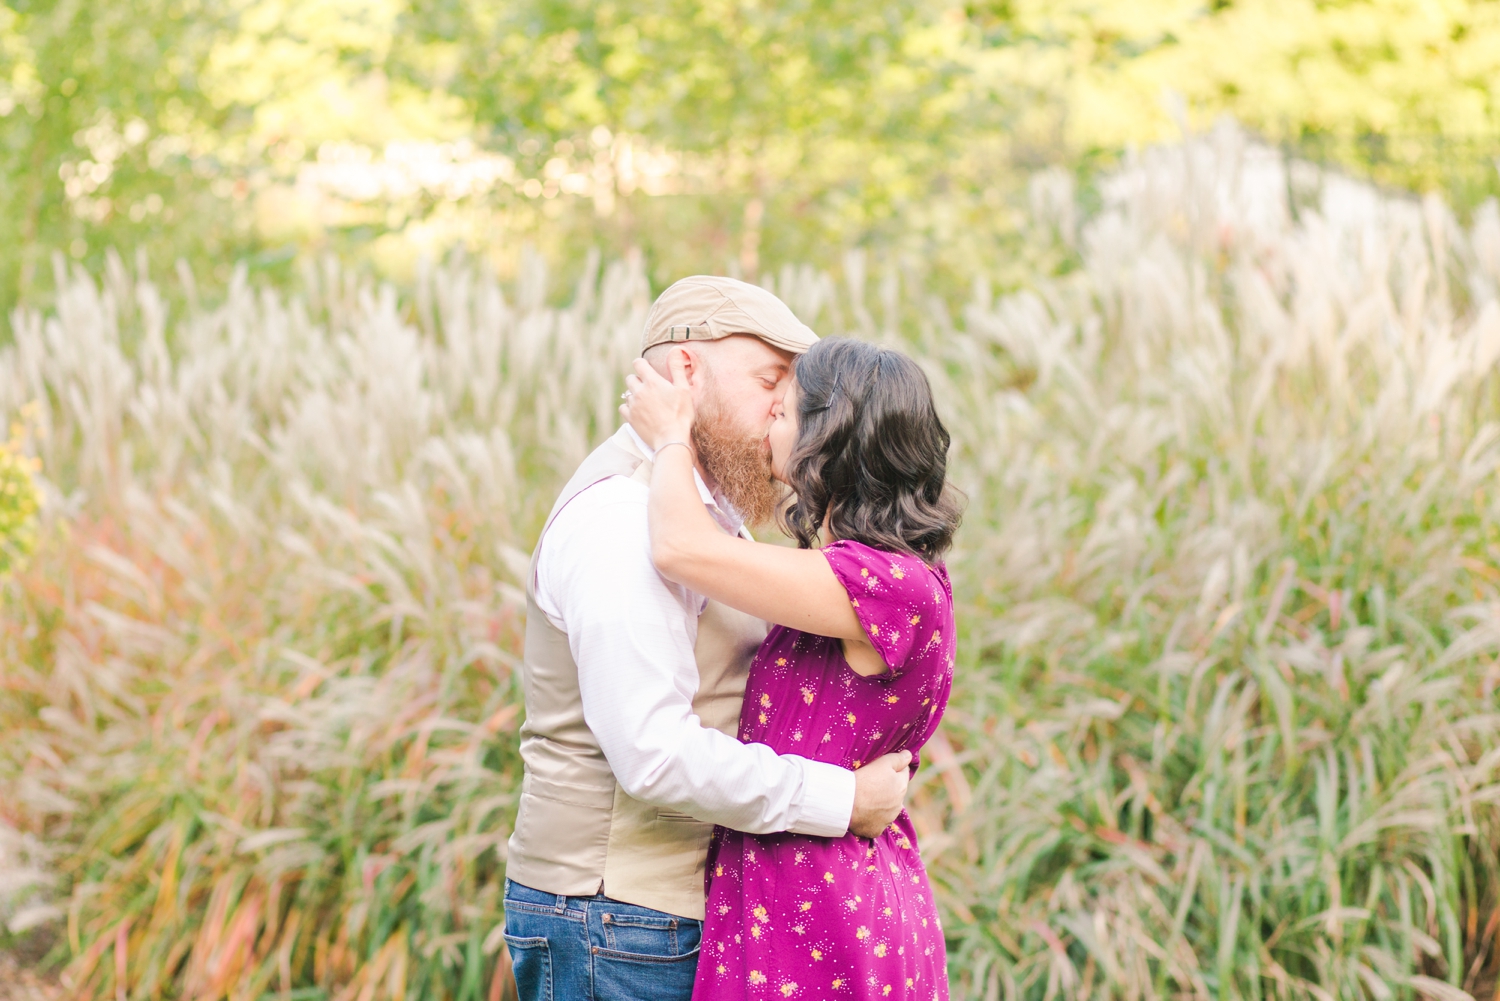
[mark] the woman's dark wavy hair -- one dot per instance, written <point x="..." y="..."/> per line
<point x="871" y="453"/>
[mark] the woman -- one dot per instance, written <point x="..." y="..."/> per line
<point x="858" y="664"/>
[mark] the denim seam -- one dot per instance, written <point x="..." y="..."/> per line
<point x="642" y="921"/>
<point x="636" y="957"/>
<point x="543" y="910"/>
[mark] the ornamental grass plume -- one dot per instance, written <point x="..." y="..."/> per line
<point x="23" y="873"/>
<point x="1224" y="723"/>
<point x="1229" y="724"/>
<point x="258" y="684"/>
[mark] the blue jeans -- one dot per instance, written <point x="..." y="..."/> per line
<point x="597" y="949"/>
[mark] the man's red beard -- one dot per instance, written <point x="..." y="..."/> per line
<point x="738" y="461"/>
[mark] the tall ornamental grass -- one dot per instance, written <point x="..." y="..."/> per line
<point x="1227" y="727"/>
<point x="257" y="687"/>
<point x="1225" y="720"/>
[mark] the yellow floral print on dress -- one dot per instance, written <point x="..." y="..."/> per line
<point x="837" y="912"/>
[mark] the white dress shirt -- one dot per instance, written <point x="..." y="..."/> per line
<point x="632" y="634"/>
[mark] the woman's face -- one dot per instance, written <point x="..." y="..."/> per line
<point x="783" y="433"/>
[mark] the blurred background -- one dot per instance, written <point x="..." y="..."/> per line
<point x="729" y="137"/>
<point x="311" y="307"/>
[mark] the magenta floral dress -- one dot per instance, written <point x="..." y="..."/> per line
<point x="793" y="916"/>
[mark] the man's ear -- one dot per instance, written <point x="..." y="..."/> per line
<point x="659" y="357"/>
<point x="692" y="363"/>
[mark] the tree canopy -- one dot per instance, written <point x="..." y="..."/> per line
<point x="767" y="131"/>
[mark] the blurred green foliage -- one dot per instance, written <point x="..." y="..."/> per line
<point x="108" y="135"/>
<point x="824" y="123"/>
<point x="219" y="130"/>
<point x="19" y="503"/>
<point x="1396" y="90"/>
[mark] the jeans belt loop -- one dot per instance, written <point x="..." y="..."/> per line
<point x="561" y="905"/>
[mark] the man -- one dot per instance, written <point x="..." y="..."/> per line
<point x="633" y="688"/>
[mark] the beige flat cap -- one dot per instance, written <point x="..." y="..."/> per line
<point x="706" y="308"/>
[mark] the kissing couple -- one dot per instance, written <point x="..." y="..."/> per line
<point x="711" y="809"/>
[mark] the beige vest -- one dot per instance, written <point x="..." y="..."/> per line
<point x="578" y="832"/>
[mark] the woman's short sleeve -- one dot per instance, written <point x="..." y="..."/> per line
<point x="903" y="604"/>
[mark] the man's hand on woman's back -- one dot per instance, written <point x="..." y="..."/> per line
<point x="880" y="793"/>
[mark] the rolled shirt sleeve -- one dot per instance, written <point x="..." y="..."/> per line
<point x="632" y="634"/>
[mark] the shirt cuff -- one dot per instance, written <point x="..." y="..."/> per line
<point x="827" y="800"/>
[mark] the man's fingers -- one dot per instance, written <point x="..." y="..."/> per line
<point x="899" y="760"/>
<point x="878" y="797"/>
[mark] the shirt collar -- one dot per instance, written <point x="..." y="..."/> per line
<point x="724" y="513"/>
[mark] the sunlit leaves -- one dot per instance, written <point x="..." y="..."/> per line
<point x="20" y="500"/>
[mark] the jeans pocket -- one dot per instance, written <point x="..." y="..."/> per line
<point x="647" y="936"/>
<point x="651" y="963"/>
<point x="531" y="962"/>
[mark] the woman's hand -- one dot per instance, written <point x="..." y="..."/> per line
<point x="660" y="411"/>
